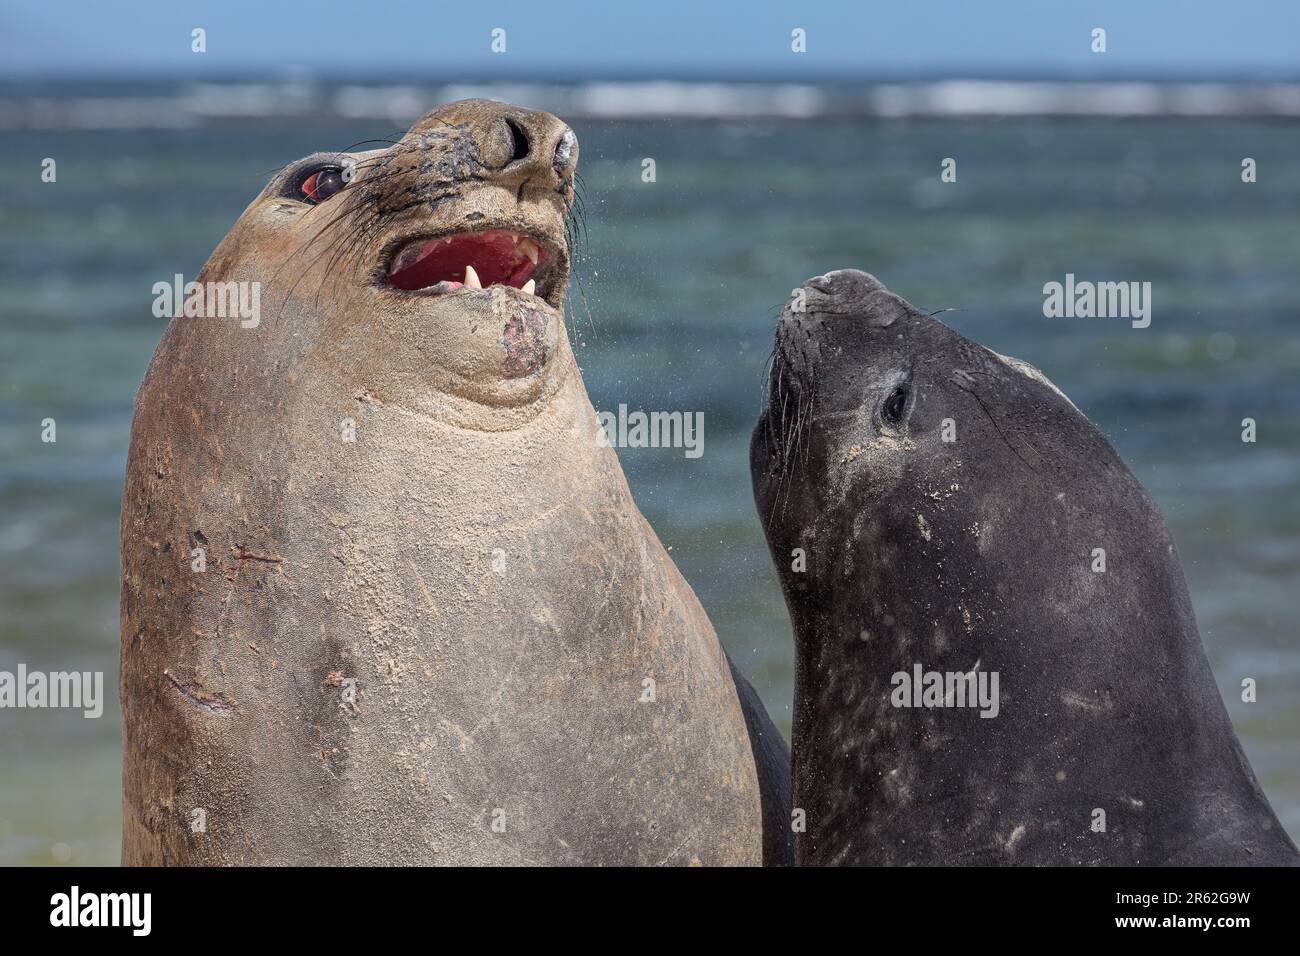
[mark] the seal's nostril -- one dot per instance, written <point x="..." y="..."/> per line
<point x="564" y="151"/>
<point x="518" y="140"/>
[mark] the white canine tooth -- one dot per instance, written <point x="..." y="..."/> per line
<point x="529" y="248"/>
<point x="530" y="286"/>
<point x="471" y="279"/>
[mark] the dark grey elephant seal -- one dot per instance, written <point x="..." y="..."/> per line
<point x="976" y="557"/>
<point x="431" y="625"/>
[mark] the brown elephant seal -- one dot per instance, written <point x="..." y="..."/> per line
<point x="976" y="683"/>
<point x="385" y="596"/>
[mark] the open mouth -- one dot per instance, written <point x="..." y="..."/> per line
<point x="473" y="260"/>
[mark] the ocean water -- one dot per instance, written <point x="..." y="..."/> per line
<point x="673" y="308"/>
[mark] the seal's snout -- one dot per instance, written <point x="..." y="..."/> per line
<point x="846" y="282"/>
<point x="480" y="192"/>
<point x="542" y="148"/>
<point x="851" y="293"/>
<point x="505" y="143"/>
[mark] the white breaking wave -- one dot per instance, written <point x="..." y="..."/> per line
<point x="206" y="103"/>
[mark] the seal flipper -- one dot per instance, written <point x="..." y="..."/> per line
<point x="772" y="761"/>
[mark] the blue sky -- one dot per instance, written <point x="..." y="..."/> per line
<point x="563" y="39"/>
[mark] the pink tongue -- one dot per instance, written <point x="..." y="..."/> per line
<point x="493" y="254"/>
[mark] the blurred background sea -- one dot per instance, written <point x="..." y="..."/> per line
<point x="758" y="186"/>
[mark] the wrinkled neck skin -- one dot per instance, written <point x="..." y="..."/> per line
<point x="977" y="556"/>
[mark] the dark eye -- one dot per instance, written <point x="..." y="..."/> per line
<point x="320" y="184"/>
<point x="895" y="404"/>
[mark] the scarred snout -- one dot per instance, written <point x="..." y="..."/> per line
<point x="531" y="148"/>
